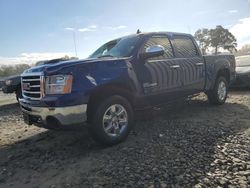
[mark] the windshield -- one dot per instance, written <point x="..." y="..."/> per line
<point x="122" y="47"/>
<point x="243" y="61"/>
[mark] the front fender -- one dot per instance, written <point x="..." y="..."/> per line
<point x="119" y="73"/>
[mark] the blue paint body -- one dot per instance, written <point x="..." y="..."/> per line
<point x="133" y="74"/>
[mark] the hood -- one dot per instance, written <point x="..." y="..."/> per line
<point x="44" y="67"/>
<point x="70" y="63"/>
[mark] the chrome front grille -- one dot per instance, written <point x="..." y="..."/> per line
<point x="31" y="87"/>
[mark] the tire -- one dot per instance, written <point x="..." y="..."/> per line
<point x="218" y="95"/>
<point x="111" y="129"/>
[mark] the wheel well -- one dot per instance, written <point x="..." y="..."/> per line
<point x="103" y="92"/>
<point x="225" y="73"/>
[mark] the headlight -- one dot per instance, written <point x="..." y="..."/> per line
<point x="58" y="84"/>
<point x="8" y="82"/>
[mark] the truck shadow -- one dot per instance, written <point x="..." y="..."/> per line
<point x="170" y="144"/>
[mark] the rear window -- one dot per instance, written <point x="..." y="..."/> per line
<point x="185" y="47"/>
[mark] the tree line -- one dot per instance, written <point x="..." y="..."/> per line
<point x="214" y="39"/>
<point x="8" y="70"/>
<point x="245" y="50"/>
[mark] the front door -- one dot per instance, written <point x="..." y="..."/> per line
<point x="160" y="76"/>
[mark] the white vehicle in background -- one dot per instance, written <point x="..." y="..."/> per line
<point x="242" y="72"/>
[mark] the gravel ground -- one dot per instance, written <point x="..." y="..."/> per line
<point x="192" y="145"/>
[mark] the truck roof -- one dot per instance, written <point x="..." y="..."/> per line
<point x="160" y="33"/>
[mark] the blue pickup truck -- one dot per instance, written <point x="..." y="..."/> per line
<point x="120" y="77"/>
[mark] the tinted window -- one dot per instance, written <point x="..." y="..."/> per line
<point x="117" y="48"/>
<point x="185" y="47"/>
<point x="163" y="41"/>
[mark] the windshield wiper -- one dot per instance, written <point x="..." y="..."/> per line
<point x="107" y="55"/>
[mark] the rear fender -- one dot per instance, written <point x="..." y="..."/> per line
<point x="214" y="68"/>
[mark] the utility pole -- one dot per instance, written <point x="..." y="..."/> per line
<point x="74" y="37"/>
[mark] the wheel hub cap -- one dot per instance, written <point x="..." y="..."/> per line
<point x="115" y="120"/>
<point x="222" y="90"/>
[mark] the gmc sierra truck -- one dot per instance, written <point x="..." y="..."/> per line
<point x="122" y="76"/>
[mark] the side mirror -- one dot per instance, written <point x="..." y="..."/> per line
<point x="152" y="51"/>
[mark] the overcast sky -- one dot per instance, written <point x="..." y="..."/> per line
<point x="40" y="29"/>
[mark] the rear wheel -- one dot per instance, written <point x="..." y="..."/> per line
<point x="111" y="121"/>
<point x="219" y="93"/>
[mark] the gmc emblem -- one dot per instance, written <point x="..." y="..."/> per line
<point x="26" y="86"/>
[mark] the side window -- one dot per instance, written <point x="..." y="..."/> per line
<point x="185" y="47"/>
<point x="163" y="41"/>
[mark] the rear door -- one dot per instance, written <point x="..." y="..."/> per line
<point x="192" y="63"/>
<point x="160" y="75"/>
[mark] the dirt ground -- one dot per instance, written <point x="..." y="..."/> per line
<point x="192" y="144"/>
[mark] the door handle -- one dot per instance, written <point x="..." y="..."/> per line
<point x="175" y="66"/>
<point x="198" y="64"/>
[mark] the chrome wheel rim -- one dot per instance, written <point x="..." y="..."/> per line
<point x="115" y="120"/>
<point x="222" y="91"/>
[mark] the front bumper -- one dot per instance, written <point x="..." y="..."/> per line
<point x="53" y="116"/>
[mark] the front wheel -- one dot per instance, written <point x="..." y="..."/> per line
<point x="219" y="93"/>
<point x="111" y="121"/>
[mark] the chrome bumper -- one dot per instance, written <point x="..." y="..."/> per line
<point x="64" y="115"/>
